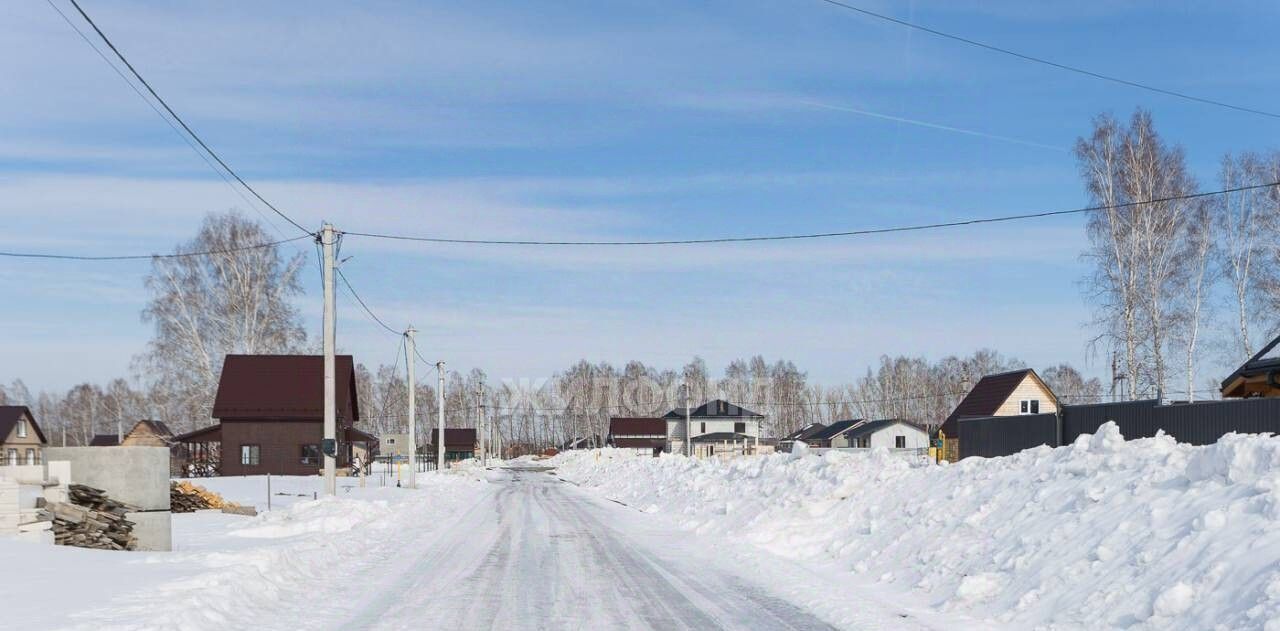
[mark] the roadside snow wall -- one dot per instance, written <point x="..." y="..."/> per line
<point x="1103" y="533"/>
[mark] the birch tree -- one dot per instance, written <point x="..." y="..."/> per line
<point x="205" y="307"/>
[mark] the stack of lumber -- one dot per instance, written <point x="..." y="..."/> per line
<point x="185" y="497"/>
<point x="91" y="520"/>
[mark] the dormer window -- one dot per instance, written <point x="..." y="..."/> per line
<point x="22" y="428"/>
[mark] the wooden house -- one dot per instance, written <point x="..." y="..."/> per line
<point x="1012" y="393"/>
<point x="1258" y="377"/>
<point x="21" y="440"/>
<point x="148" y="433"/>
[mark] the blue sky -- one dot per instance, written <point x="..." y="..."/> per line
<point x="614" y="121"/>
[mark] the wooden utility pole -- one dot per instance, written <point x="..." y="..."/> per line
<point x="440" y="409"/>
<point x="327" y="237"/>
<point x="410" y="359"/>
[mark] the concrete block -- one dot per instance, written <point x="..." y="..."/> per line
<point x="154" y="530"/>
<point x="133" y="475"/>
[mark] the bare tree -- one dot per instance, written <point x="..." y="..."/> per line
<point x="1136" y="240"/>
<point x="204" y="307"/>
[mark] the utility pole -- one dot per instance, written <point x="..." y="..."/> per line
<point x="410" y="353"/>
<point x="440" y="410"/>
<point x="327" y="236"/>
<point x="688" y="424"/>
<point x="484" y="455"/>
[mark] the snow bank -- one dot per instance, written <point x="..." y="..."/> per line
<point x="291" y="562"/>
<point x="1103" y="533"/>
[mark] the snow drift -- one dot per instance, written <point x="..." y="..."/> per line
<point x="1103" y="533"/>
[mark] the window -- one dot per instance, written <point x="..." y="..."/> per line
<point x="862" y="442"/>
<point x="310" y="454"/>
<point x="13" y="457"/>
<point x="391" y="441"/>
<point x="249" y="455"/>
<point x="703" y="429"/>
<point x="900" y="442"/>
<point x="31" y="456"/>
<point x="1030" y="406"/>
<point x="22" y="428"/>
<point x="740" y="428"/>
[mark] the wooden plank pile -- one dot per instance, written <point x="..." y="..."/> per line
<point x="185" y="497"/>
<point x="91" y="520"/>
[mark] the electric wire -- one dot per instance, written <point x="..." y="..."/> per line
<point x="819" y="235"/>
<point x="1046" y="62"/>
<point x="179" y="120"/>
<point x="364" y="306"/>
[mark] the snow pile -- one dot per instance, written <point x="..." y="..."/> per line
<point x="1103" y="533"/>
<point x="327" y="515"/>
<point x="287" y="558"/>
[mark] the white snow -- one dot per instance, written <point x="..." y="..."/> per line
<point x="1103" y="533"/>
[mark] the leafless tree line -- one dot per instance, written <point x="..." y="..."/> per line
<point x="1165" y="271"/>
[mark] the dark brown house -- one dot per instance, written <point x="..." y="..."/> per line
<point x="641" y="434"/>
<point x="21" y="440"/>
<point x="459" y="443"/>
<point x="270" y="410"/>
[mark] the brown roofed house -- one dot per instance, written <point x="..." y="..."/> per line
<point x="21" y="440"/>
<point x="271" y="413"/>
<point x="459" y="443"/>
<point x="645" y="435"/>
<point x="1258" y="377"/>
<point x="1003" y="394"/>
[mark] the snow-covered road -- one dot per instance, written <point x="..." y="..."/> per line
<point x="537" y="553"/>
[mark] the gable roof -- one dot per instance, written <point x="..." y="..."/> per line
<point x="1262" y="363"/>
<point x="623" y="426"/>
<point x="806" y="432"/>
<point x="11" y="414"/>
<point x="835" y="429"/>
<point x="871" y="427"/>
<point x="283" y="387"/>
<point x="717" y="408"/>
<point x="988" y="395"/>
<point x="156" y="427"/>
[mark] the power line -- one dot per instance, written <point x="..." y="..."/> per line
<point x="365" y="306"/>
<point x="179" y="120"/>
<point x="821" y="235"/>
<point x="139" y="257"/>
<point x="1041" y="60"/>
<point x="167" y="121"/>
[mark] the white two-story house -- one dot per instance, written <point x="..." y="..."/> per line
<point x="713" y="422"/>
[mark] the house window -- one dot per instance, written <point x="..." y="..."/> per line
<point x="703" y="428"/>
<point x="1030" y="406"/>
<point x="391" y="441"/>
<point x="31" y="456"/>
<point x="22" y="428"/>
<point x="310" y="454"/>
<point x="13" y="457"/>
<point x="740" y="428"/>
<point x="862" y="442"/>
<point x="900" y="442"/>
<point x="249" y="455"/>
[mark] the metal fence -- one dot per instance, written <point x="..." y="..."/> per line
<point x="1199" y="423"/>
<point x="1003" y="435"/>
